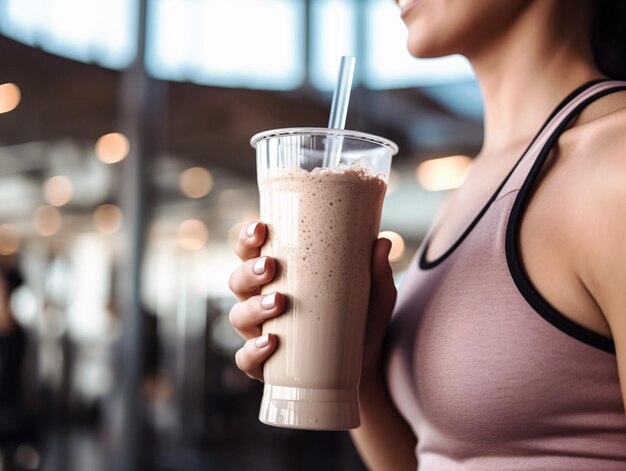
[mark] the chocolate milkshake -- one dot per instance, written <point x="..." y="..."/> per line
<point x="322" y="225"/>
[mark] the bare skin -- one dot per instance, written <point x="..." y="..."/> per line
<point x="527" y="55"/>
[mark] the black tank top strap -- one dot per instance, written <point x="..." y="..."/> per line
<point x="561" y="117"/>
<point x="535" y="164"/>
<point x="515" y="178"/>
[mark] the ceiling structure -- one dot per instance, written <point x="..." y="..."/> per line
<point x="64" y="99"/>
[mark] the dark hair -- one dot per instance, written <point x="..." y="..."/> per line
<point x="608" y="37"/>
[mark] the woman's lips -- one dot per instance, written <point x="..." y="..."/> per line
<point x="406" y="6"/>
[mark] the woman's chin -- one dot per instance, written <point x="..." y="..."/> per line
<point x="424" y="43"/>
<point x="426" y="50"/>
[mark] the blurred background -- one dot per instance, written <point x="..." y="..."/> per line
<point x="126" y="174"/>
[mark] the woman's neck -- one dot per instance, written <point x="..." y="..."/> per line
<point x="530" y="69"/>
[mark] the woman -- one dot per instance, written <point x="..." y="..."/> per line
<point x="509" y="335"/>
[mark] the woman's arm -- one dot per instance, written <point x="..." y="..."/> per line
<point x="602" y="234"/>
<point x="606" y="275"/>
<point x="384" y="439"/>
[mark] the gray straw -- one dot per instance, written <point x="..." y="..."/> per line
<point x="339" y="110"/>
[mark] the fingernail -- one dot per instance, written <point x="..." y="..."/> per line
<point x="262" y="341"/>
<point x="259" y="266"/>
<point x="269" y="301"/>
<point x="251" y="228"/>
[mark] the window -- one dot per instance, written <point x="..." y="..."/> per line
<point x="231" y="43"/>
<point x="84" y="30"/>
<point x="234" y="43"/>
<point x="334" y="35"/>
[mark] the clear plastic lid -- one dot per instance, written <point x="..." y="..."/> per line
<point x="362" y="136"/>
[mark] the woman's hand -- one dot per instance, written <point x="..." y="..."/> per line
<point x="252" y="309"/>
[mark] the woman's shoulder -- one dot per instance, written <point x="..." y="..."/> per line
<point x="594" y="150"/>
<point x="588" y="175"/>
<point x="593" y="158"/>
<point x="598" y="137"/>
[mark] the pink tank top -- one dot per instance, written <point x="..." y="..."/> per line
<point x="486" y="372"/>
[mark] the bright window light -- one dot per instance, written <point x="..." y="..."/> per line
<point x="84" y="30"/>
<point x="19" y="20"/>
<point x="233" y="43"/>
<point x="334" y="35"/>
<point x="230" y="43"/>
<point x="389" y="65"/>
<point x="91" y="263"/>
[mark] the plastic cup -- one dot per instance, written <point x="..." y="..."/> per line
<point x="322" y="225"/>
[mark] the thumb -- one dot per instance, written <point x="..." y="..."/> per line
<point x="381" y="302"/>
<point x="383" y="290"/>
<point x="382" y="294"/>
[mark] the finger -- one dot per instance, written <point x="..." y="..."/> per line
<point x="250" y="240"/>
<point x="246" y="317"/>
<point x="252" y="355"/>
<point x="247" y="280"/>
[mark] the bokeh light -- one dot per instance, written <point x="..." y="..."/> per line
<point x="196" y="182"/>
<point x="10" y="239"/>
<point x="444" y="173"/>
<point x="24" y="303"/>
<point x="27" y="457"/>
<point x="107" y="219"/>
<point x="397" y="245"/>
<point x="10" y="97"/>
<point x="112" y="148"/>
<point x="58" y="190"/>
<point x="47" y="220"/>
<point x="192" y="234"/>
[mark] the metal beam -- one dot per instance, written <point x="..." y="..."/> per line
<point x="142" y="109"/>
